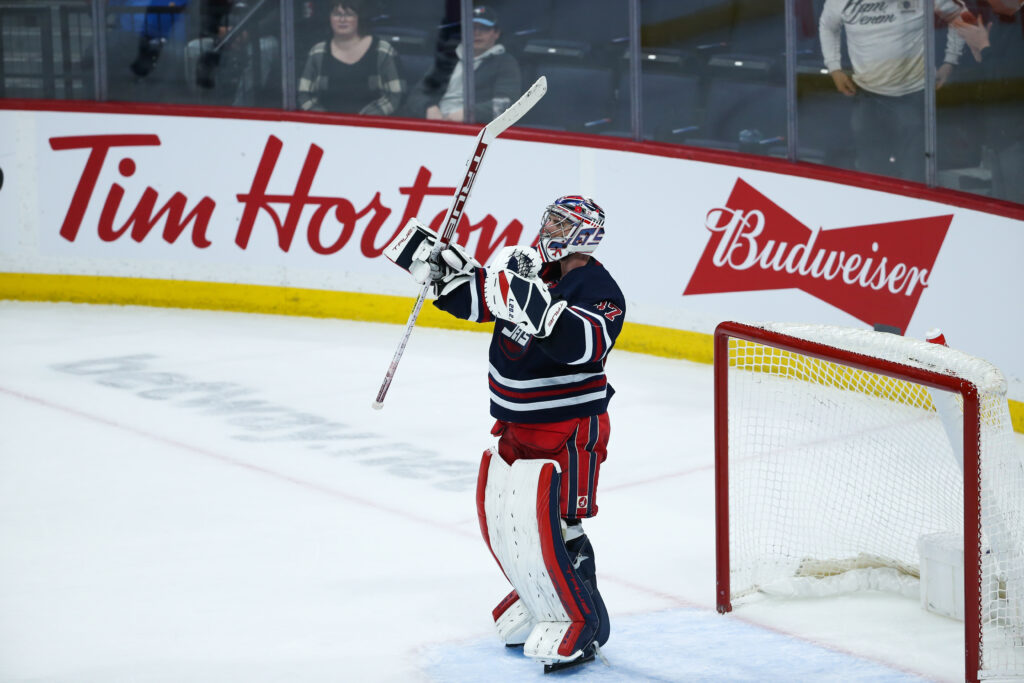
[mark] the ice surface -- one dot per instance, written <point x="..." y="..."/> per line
<point x="199" y="496"/>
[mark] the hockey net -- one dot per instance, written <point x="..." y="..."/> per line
<point x="833" y="459"/>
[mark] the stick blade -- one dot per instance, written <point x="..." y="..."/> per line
<point x="518" y="109"/>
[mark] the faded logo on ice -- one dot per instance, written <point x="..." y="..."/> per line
<point x="875" y="273"/>
<point x="256" y="421"/>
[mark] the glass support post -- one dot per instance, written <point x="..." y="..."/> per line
<point x="792" y="132"/>
<point x="99" y="50"/>
<point x="635" y="94"/>
<point x="468" y="89"/>
<point x="930" y="129"/>
<point x="289" y="83"/>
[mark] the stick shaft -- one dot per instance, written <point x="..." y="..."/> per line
<point x="390" y="375"/>
<point x="454" y="215"/>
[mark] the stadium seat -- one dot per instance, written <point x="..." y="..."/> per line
<point x="670" y="107"/>
<point x="747" y="116"/>
<point x="596" y="21"/>
<point x="579" y="98"/>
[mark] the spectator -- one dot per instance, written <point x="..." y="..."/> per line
<point x="158" y="23"/>
<point x="998" y="45"/>
<point x="496" y="78"/>
<point x="885" y="41"/>
<point x="236" y="57"/>
<point x="352" y="72"/>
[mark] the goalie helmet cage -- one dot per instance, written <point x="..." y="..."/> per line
<point x="831" y="461"/>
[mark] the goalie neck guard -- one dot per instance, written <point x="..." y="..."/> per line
<point x="570" y="225"/>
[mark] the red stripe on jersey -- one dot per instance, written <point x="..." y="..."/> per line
<point x="511" y="393"/>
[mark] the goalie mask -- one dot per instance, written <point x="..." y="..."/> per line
<point x="571" y="225"/>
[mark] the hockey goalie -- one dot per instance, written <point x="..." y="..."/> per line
<point x="557" y="313"/>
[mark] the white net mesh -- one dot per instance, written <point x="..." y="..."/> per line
<point x="835" y="473"/>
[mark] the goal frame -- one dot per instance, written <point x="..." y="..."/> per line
<point x="935" y="380"/>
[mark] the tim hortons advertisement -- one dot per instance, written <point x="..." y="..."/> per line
<point x="692" y="243"/>
<point x="329" y="223"/>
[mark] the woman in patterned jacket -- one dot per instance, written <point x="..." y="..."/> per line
<point x="351" y="73"/>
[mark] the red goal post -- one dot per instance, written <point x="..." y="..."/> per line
<point x="798" y="406"/>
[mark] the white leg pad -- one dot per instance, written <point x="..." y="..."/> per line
<point x="515" y="623"/>
<point x="544" y="641"/>
<point x="511" y="506"/>
<point x="522" y="524"/>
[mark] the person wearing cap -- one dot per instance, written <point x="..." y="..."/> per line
<point x="496" y="78"/>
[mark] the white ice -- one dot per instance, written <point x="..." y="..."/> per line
<point x="192" y="496"/>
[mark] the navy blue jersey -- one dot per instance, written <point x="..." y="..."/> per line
<point x="562" y="375"/>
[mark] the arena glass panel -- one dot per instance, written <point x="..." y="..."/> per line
<point x="693" y="88"/>
<point x="713" y="74"/>
<point x="46" y="50"/>
<point x="224" y="54"/>
<point x="581" y="47"/>
<point x="367" y="57"/>
<point x="861" y="85"/>
<point x="979" y="112"/>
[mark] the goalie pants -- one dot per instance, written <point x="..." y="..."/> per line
<point x="578" y="445"/>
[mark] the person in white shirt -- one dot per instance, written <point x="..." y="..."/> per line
<point x="885" y="42"/>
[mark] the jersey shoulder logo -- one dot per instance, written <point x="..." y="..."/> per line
<point x="514" y="341"/>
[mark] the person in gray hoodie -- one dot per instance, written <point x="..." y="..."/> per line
<point x="497" y="81"/>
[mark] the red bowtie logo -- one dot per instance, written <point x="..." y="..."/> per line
<point x="875" y="273"/>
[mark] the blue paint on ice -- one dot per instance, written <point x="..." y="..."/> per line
<point x="673" y="645"/>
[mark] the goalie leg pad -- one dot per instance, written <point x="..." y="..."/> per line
<point x="524" y="532"/>
<point x="513" y="620"/>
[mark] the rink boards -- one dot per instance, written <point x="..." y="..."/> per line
<point x="289" y="213"/>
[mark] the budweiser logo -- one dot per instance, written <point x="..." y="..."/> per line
<point x="875" y="273"/>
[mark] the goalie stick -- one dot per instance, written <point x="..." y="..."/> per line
<point x="451" y="220"/>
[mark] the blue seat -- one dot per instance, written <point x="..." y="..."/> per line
<point x="579" y="98"/>
<point x="595" y="21"/>
<point x="406" y="39"/>
<point x="598" y="27"/>
<point x="748" y="116"/>
<point x="670" y="106"/>
<point x="522" y="19"/>
<point x="413" y="66"/>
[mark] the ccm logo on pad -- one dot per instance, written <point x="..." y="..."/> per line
<point x="876" y="273"/>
